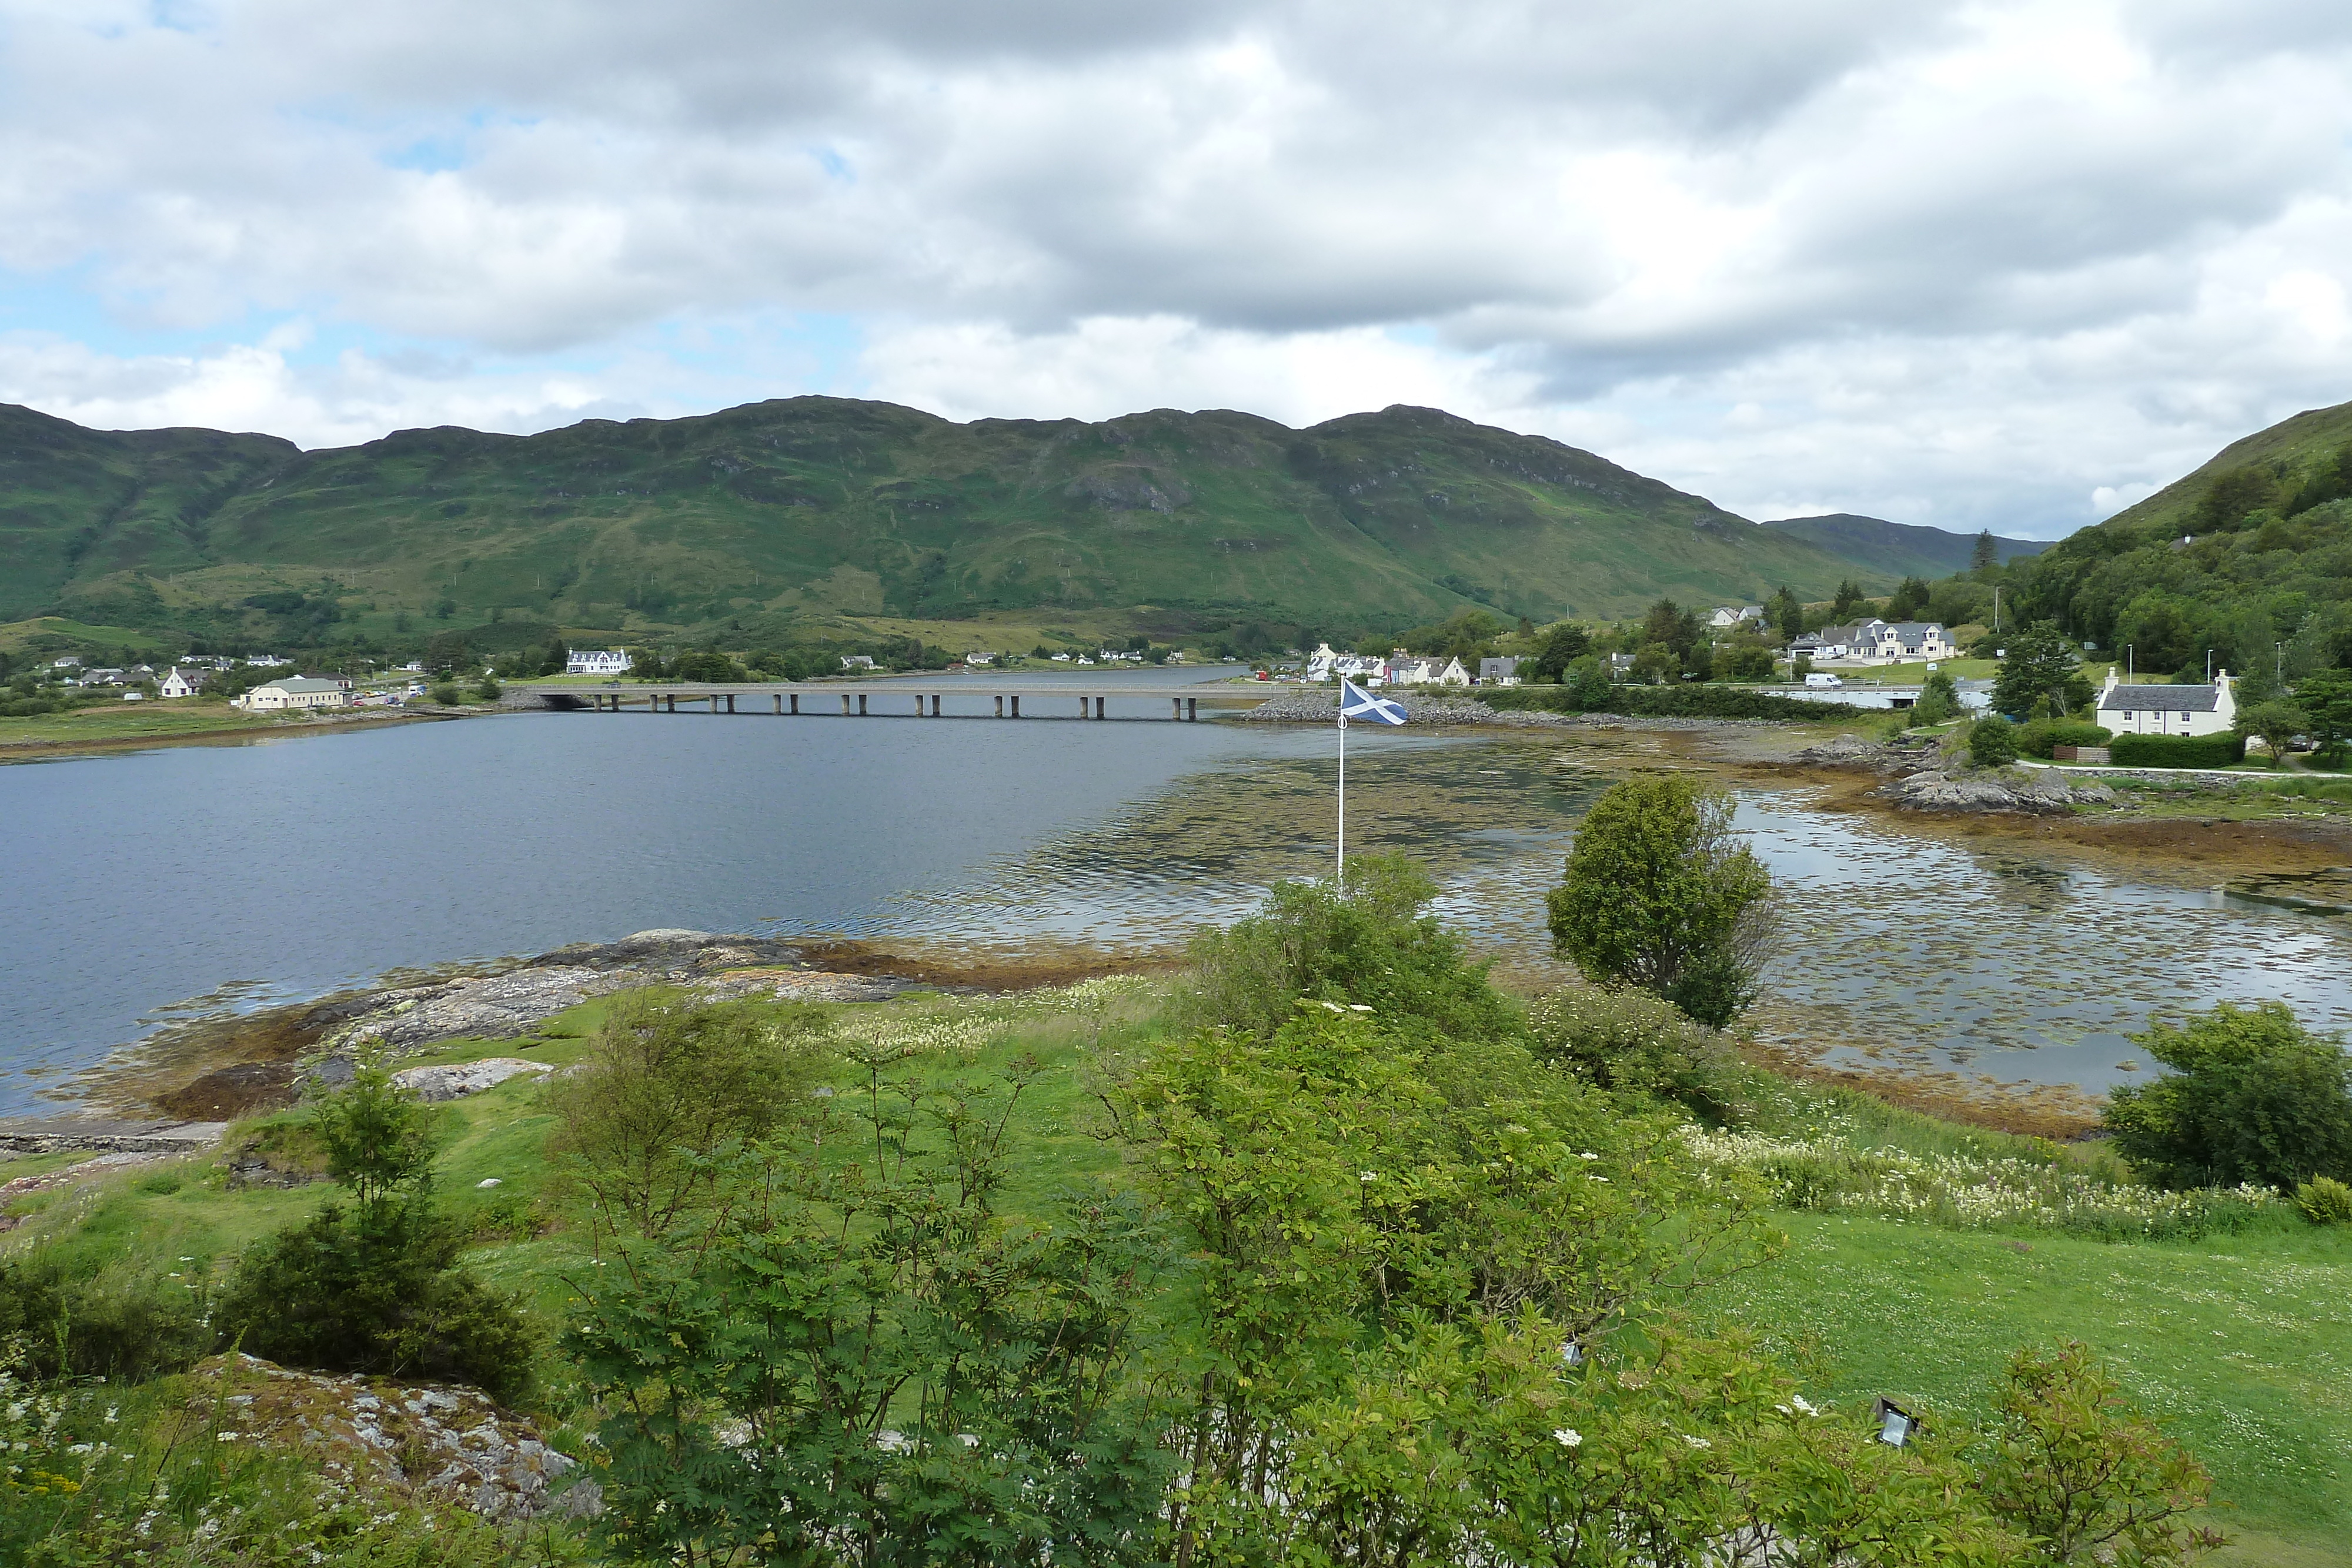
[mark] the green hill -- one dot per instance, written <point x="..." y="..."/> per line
<point x="807" y="507"/>
<point x="2248" y="560"/>
<point x="1898" y="550"/>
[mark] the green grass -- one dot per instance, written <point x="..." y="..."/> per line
<point x="2241" y="1345"/>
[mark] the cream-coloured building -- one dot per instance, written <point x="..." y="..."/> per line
<point x="2168" y="710"/>
<point x="296" y="692"/>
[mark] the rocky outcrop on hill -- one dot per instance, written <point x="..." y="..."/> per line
<point x="433" y="1085"/>
<point x="450" y="1444"/>
<point x="2035" y="793"/>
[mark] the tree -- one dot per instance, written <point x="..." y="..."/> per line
<point x="668" y="1087"/>
<point x="1670" y="625"/>
<point x="378" y="1288"/>
<point x="1556" y="648"/>
<point x="1658" y="894"/>
<point x="2327" y="698"/>
<point x="1909" y="599"/>
<point x="1993" y="742"/>
<point x="2230" y="498"/>
<point x="1939" y="699"/>
<point x="1985" y="554"/>
<point x="2043" y="666"/>
<point x="1787" y="614"/>
<point x="1849" y="594"/>
<point x="2276" y="723"/>
<point x="2251" y="1097"/>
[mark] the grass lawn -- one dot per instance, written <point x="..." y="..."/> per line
<point x="121" y="720"/>
<point x="2241" y="1345"/>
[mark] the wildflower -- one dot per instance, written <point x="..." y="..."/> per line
<point x="1369" y="1176"/>
<point x="1696" y="1442"/>
<point x="1567" y="1437"/>
<point x="1358" y="1007"/>
<point x="1799" y="1401"/>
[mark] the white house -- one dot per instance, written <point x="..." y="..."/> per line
<point x="857" y="662"/>
<point x="595" y="661"/>
<point x="1427" y="672"/>
<point x="1726" y="617"/>
<point x="296" y="692"/>
<point x="2168" y="710"/>
<point x="1879" y="643"/>
<point x="175" y="685"/>
<point x="979" y="661"/>
<point x="266" y="661"/>
<point x="1503" y="672"/>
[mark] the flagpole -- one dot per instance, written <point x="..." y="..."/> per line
<point x="1343" y="795"/>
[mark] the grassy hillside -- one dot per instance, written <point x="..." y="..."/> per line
<point x="2248" y="560"/>
<point x="1903" y="549"/>
<point x="811" y="508"/>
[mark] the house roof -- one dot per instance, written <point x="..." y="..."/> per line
<point x="298" y="684"/>
<point x="2159" y="699"/>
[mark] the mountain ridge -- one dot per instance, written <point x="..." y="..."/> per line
<point x="1906" y="549"/>
<point x="810" y="506"/>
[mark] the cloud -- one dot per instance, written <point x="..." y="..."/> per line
<point x="1994" y="262"/>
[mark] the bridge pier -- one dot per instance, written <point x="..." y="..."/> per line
<point x="934" y="706"/>
<point x="796" y="703"/>
<point x="861" y="704"/>
<point x="1098" y="707"/>
<point x="1000" y="707"/>
<point x="780" y="704"/>
<point x="1017" y="705"/>
<point x="671" y="702"/>
<point x="1191" y="710"/>
<point x="730" y="702"/>
<point x="845" y="704"/>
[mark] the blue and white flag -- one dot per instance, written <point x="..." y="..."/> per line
<point x="1355" y="702"/>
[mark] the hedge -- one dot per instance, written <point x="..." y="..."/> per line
<point x="2038" y="738"/>
<point x="1662" y="701"/>
<point x="2176" y="750"/>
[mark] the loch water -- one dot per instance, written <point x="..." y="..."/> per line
<point x="138" y="890"/>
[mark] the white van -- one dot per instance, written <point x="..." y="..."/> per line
<point x="1820" y="681"/>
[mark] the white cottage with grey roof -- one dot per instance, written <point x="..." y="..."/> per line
<point x="2168" y="710"/>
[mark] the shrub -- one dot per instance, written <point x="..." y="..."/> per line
<point x="2084" y="1475"/>
<point x="1629" y="1041"/>
<point x="2176" y="750"/>
<point x="1940" y="700"/>
<point x="1993" y="742"/>
<point x="2324" y="1200"/>
<point x="2250" y="1098"/>
<point x="488" y="689"/>
<point x="446" y="694"/>
<point x="378" y="1289"/>
<point x="1659" y="894"/>
<point x="2042" y="737"/>
<point x="1371" y="945"/>
<point x="667" y="1085"/>
<point x="81" y="1314"/>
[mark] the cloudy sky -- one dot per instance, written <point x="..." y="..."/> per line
<point x="2005" y="265"/>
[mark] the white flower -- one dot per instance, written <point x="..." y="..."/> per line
<point x="1358" y="1007"/>
<point x="1567" y="1437"/>
<point x="1696" y="1442"/>
<point x="1799" y="1401"/>
<point x="1587" y="1155"/>
<point x="1369" y="1176"/>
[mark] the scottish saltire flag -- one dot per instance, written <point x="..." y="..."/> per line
<point x="1355" y="702"/>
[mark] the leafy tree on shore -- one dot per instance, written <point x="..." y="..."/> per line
<point x="1660" y="894"/>
<point x="1556" y="648"/>
<point x="2251" y="1097"/>
<point x="2327" y="698"/>
<point x="1993" y="742"/>
<point x="2275" y="724"/>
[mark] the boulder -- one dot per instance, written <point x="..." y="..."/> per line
<point x="430" y="1440"/>
<point x="436" y="1083"/>
<point x="2032" y="792"/>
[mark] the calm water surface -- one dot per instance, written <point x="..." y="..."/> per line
<point x="134" y="889"/>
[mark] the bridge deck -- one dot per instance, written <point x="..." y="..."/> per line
<point x="910" y="698"/>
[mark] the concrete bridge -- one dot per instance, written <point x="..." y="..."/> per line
<point x="902" y="699"/>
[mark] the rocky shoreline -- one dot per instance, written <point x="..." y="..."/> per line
<point x="1921" y="775"/>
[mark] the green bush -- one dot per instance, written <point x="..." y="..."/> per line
<point x="488" y="689"/>
<point x="667" y="1085"/>
<point x="2042" y="737"/>
<point x="2251" y="1097"/>
<point x="2176" y="750"/>
<point x="1371" y="946"/>
<point x="446" y="693"/>
<point x="81" y="1314"/>
<point x="1629" y="1041"/>
<point x="2324" y="1200"/>
<point x="378" y="1289"/>
<point x="1993" y="742"/>
<point x="1658" y="894"/>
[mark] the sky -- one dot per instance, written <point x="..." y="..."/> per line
<point x="2006" y="265"/>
